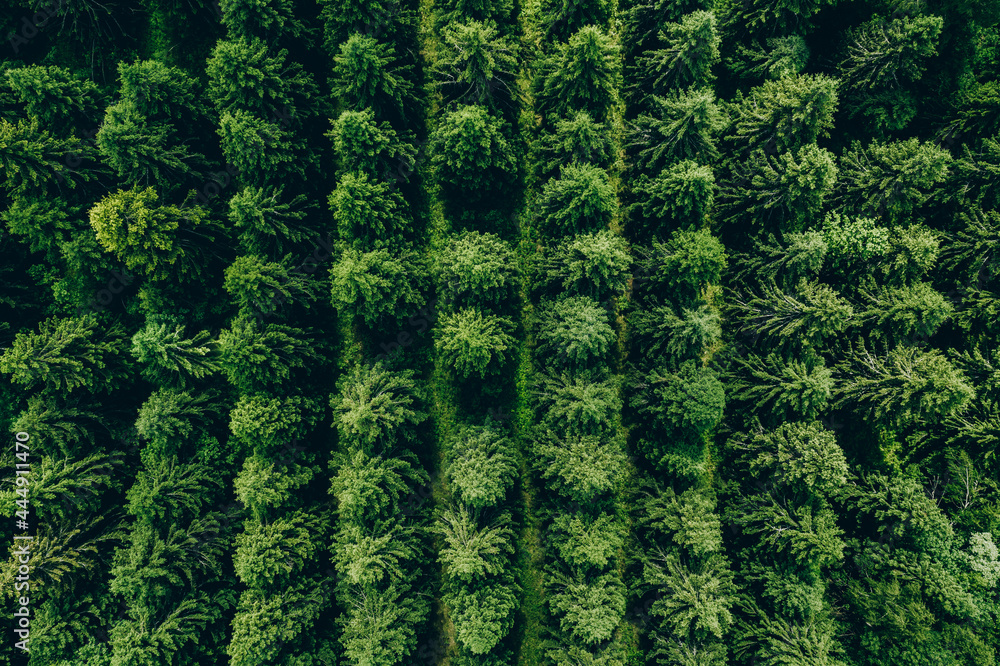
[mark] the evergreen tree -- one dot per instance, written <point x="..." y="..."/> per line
<point x="777" y="58"/>
<point x="785" y="192"/>
<point x="262" y="423"/>
<point x="254" y="18"/>
<point x="471" y="153"/>
<point x="143" y="152"/>
<point x="480" y="465"/>
<point x="260" y="287"/>
<point x="67" y="353"/>
<point x="785" y="114"/>
<point x="377" y="285"/>
<point x="246" y="75"/>
<point x="366" y="74"/>
<point x="369" y="214"/>
<point x="563" y="18"/>
<point x="33" y="160"/>
<point x="362" y="145"/>
<point x="582" y="75"/>
<point x="257" y="356"/>
<point x="268" y="223"/>
<point x="168" y="358"/>
<point x="681" y="126"/>
<point x="577" y="405"/>
<point x="476" y="65"/>
<point x="475" y="544"/>
<point x="786" y="389"/>
<point x="146" y="236"/>
<point x="260" y="150"/>
<point x="595" y="265"/>
<point x="581" y="200"/>
<point x="575" y="139"/>
<point x="475" y="269"/>
<point x="579" y="467"/>
<point x="474" y="343"/>
<point x="692" y="47"/>
<point x="682" y="194"/>
<point x="52" y="95"/>
<point x="891" y="179"/>
<point x="904" y="385"/>
<point x="574" y="334"/>
<point x="374" y="404"/>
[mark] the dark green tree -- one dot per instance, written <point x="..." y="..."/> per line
<point x="578" y="467"/>
<point x="273" y="19"/>
<point x="246" y="75"/>
<point x="576" y="405"/>
<point x="268" y="222"/>
<point x="480" y="465"/>
<point x="367" y="74"/>
<point x="574" y="334"/>
<point x="785" y="114"/>
<point x="891" y="179"/>
<point x="33" y="159"/>
<point x="263" y="423"/>
<point x="785" y="389"/>
<point x="370" y="214"/>
<point x="476" y="65"/>
<point x="258" y="356"/>
<point x="377" y="285"/>
<point x="786" y="191"/>
<point x="364" y="145"/>
<point x="53" y="95"/>
<point x="563" y="18"/>
<point x="260" y="287"/>
<point x="376" y="405"/>
<point x="691" y="48"/>
<point x="470" y="152"/>
<point x="476" y="269"/>
<point x="681" y="196"/>
<point x="168" y="357"/>
<point x="904" y="385"/>
<point x="582" y="75"/>
<point x="67" y="353"/>
<point x="144" y="233"/>
<point x="260" y="150"/>
<point x="680" y="126"/>
<point x="595" y="265"/>
<point x="581" y="200"/>
<point x="688" y="264"/>
<point x="575" y="139"/>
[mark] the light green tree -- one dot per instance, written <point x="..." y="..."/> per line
<point x="65" y="354"/>
<point x="146" y="235"/>
<point x="474" y="343"/>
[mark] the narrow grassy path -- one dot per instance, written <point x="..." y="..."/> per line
<point x="533" y="614"/>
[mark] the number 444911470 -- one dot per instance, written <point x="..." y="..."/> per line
<point x="21" y="479"/>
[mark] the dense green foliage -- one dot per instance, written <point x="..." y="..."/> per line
<point x="495" y="333"/>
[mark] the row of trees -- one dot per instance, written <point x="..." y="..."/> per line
<point x="473" y="154"/>
<point x="266" y="105"/>
<point x="680" y="574"/>
<point x="378" y="280"/>
<point x="579" y="275"/>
